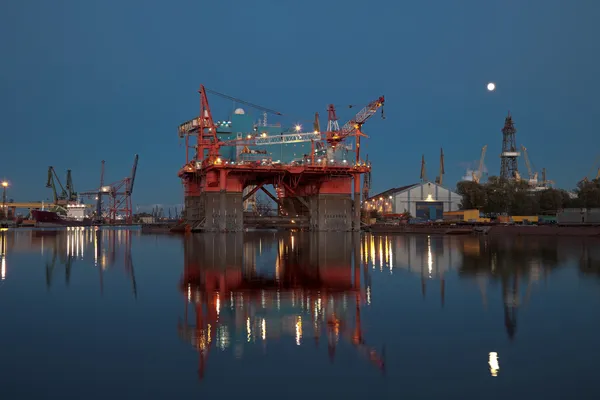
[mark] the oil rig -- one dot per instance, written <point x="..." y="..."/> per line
<point x="224" y="169"/>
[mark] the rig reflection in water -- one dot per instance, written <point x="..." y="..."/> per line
<point x="315" y="289"/>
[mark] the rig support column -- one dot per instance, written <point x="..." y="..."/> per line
<point x="222" y="200"/>
<point x="356" y="224"/>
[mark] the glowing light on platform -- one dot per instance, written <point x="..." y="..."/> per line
<point x="248" y="329"/>
<point x="298" y="330"/>
<point x="491" y="86"/>
<point x="493" y="363"/>
<point x="373" y="251"/>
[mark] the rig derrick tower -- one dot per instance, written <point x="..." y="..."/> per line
<point x="509" y="166"/>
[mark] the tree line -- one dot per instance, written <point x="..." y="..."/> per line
<point x="499" y="196"/>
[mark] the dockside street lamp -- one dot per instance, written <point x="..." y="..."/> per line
<point x="4" y="186"/>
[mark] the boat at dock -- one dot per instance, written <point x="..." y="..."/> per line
<point x="75" y="216"/>
<point x="50" y="219"/>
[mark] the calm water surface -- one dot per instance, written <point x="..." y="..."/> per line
<point x="99" y="314"/>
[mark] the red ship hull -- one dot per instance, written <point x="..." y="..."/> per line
<point x="51" y="219"/>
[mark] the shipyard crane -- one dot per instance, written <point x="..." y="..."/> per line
<point x="477" y="175"/>
<point x="423" y="175"/>
<point x="548" y="182"/>
<point x="596" y="162"/>
<point x="72" y="195"/>
<point x="119" y="195"/>
<point x="533" y="176"/>
<point x="440" y="179"/>
<point x="60" y="197"/>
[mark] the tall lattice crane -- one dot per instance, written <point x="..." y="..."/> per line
<point x="477" y="175"/>
<point x="533" y="176"/>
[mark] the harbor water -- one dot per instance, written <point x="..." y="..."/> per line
<point x="89" y="313"/>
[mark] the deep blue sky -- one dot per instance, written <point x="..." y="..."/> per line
<point x="82" y="81"/>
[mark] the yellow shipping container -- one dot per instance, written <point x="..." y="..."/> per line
<point x="471" y="215"/>
<point x="462" y="215"/>
<point x="521" y="218"/>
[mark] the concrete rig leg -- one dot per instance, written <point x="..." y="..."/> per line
<point x="356" y="222"/>
<point x="222" y="211"/>
<point x="222" y="201"/>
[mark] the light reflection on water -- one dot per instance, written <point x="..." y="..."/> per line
<point x="411" y="315"/>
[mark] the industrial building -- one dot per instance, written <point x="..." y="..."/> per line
<point x="426" y="200"/>
<point x="579" y="216"/>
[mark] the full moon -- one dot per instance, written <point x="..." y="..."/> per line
<point x="491" y="86"/>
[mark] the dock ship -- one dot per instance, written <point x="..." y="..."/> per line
<point x="75" y="217"/>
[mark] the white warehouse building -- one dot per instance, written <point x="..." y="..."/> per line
<point x="426" y="200"/>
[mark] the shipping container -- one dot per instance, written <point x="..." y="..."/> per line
<point x="462" y="215"/>
<point x="524" y="218"/>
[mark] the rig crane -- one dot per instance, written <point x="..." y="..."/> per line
<point x="353" y="126"/>
<point x="477" y="175"/>
<point x="206" y="130"/>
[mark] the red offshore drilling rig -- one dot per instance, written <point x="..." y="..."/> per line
<point x="317" y="189"/>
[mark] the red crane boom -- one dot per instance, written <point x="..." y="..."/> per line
<point x="352" y="127"/>
<point x="207" y="131"/>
